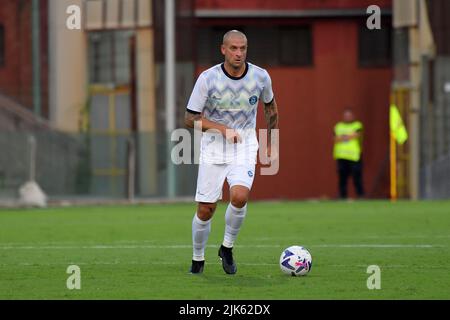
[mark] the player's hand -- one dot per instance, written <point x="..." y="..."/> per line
<point x="232" y="136"/>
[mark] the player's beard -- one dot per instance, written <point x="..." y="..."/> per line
<point x="237" y="65"/>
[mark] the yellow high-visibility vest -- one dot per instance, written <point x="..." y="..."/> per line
<point x="351" y="149"/>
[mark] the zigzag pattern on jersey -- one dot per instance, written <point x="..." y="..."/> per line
<point x="220" y="84"/>
<point x="250" y="89"/>
<point x="239" y="96"/>
<point x="233" y="94"/>
<point x="235" y="120"/>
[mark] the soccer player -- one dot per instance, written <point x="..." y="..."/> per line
<point x="224" y="103"/>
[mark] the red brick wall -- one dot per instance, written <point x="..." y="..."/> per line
<point x="311" y="101"/>
<point x="16" y="74"/>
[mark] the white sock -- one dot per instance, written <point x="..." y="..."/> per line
<point x="200" y="233"/>
<point x="233" y="220"/>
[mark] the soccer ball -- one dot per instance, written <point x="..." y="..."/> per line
<point x="296" y="261"/>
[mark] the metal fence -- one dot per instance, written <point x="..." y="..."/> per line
<point x="91" y="165"/>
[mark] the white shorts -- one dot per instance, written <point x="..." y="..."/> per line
<point x="212" y="176"/>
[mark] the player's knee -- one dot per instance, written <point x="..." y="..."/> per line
<point x="239" y="200"/>
<point x="206" y="211"/>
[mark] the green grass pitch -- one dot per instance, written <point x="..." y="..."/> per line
<point x="144" y="251"/>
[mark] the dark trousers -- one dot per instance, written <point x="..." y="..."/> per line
<point x="348" y="168"/>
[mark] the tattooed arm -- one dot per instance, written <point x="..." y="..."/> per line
<point x="271" y="115"/>
<point x="191" y="117"/>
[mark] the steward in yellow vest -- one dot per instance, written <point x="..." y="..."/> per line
<point x="347" y="153"/>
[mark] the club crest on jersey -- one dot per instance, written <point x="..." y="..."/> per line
<point x="253" y="100"/>
<point x="250" y="174"/>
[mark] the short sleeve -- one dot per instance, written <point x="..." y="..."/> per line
<point x="199" y="95"/>
<point x="267" y="94"/>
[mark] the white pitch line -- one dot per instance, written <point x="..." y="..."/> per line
<point x="377" y="237"/>
<point x="28" y="264"/>
<point x="186" y="246"/>
<point x="378" y="246"/>
<point x="163" y="263"/>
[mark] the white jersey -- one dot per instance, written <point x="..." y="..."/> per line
<point x="233" y="102"/>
